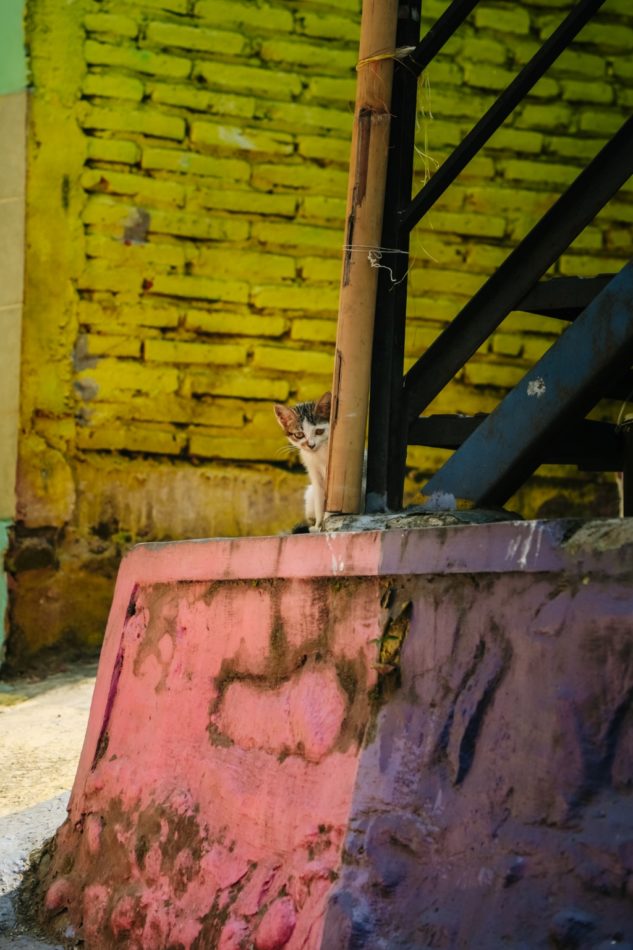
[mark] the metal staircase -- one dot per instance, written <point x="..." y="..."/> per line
<point x="543" y="418"/>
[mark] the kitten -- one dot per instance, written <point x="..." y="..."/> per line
<point x="307" y="427"/>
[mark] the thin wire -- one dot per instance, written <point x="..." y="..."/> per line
<point x="400" y="53"/>
<point x="373" y="249"/>
<point x="375" y="254"/>
<point x="374" y="258"/>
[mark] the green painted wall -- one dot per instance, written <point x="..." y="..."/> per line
<point x="13" y="79"/>
<point x="12" y="57"/>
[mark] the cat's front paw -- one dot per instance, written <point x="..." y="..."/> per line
<point x="302" y="528"/>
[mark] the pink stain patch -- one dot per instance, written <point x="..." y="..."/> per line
<point x="59" y="894"/>
<point x="123" y="916"/>
<point x="233" y="935"/>
<point x="277" y="925"/>
<point x="92" y="832"/>
<point x="302" y="717"/>
<point x="95" y="906"/>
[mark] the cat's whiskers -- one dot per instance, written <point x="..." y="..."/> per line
<point x="286" y="449"/>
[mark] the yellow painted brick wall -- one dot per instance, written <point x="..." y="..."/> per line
<point x="187" y="178"/>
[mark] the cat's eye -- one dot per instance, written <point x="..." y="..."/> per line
<point x="297" y="435"/>
<point x="319" y="431"/>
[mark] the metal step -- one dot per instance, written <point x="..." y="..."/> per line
<point x="563" y="297"/>
<point x="587" y="443"/>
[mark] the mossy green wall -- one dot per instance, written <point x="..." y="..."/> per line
<point x="188" y="172"/>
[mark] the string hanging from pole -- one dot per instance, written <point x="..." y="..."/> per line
<point x="400" y="53"/>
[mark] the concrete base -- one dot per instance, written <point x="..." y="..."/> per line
<point x="416" y="738"/>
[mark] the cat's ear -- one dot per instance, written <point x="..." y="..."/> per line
<point x="285" y="416"/>
<point x="324" y="406"/>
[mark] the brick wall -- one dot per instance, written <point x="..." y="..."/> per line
<point x="188" y="170"/>
<point x="228" y="125"/>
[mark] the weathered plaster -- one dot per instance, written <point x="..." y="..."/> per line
<point x="406" y="738"/>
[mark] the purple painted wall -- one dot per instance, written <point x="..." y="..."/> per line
<point x="493" y="805"/>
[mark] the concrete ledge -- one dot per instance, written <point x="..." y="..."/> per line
<point x="293" y="738"/>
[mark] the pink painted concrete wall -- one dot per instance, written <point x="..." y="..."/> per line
<point x="294" y="739"/>
<point x="215" y="783"/>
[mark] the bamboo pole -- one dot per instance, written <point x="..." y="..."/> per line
<point x="365" y="200"/>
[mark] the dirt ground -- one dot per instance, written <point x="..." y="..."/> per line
<point x="42" y="726"/>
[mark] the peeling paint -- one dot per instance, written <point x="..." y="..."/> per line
<point x="536" y="387"/>
<point x="520" y="548"/>
<point x="338" y="562"/>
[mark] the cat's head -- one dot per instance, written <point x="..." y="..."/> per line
<point x="307" y="425"/>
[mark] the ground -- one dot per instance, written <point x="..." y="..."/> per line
<point x="42" y="723"/>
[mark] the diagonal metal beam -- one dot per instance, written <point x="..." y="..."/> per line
<point x="501" y="293"/>
<point x="439" y="34"/>
<point x="563" y="386"/>
<point x="500" y="110"/>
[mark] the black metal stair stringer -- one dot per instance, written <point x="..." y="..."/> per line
<point x="396" y="403"/>
<point x="560" y="389"/>
<point x="507" y="101"/>
<point x="520" y="271"/>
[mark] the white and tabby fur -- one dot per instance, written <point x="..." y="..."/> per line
<point x="307" y="428"/>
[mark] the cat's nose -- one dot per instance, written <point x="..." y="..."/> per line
<point x="311" y="445"/>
